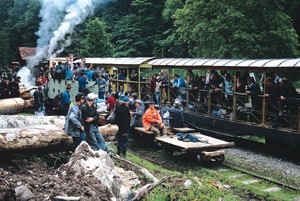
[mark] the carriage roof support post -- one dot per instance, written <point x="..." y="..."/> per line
<point x="139" y="82"/>
<point x="209" y="102"/>
<point x="264" y="103"/>
<point x="169" y="82"/>
<point x="117" y="87"/>
<point x="187" y="89"/>
<point x="234" y="107"/>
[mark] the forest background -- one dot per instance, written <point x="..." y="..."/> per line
<point x="165" y="28"/>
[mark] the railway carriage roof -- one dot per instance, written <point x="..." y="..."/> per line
<point x="126" y="61"/>
<point x="236" y="64"/>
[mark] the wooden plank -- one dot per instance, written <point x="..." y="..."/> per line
<point x="207" y="142"/>
<point x="142" y="130"/>
<point x="184" y="130"/>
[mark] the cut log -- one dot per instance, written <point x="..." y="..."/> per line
<point x="15" y="105"/>
<point x="27" y="90"/>
<point x="46" y="136"/>
<point x="21" y="121"/>
<point x="109" y="132"/>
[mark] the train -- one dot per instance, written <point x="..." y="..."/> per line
<point x="232" y="115"/>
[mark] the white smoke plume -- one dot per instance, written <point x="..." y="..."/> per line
<point x="59" y="18"/>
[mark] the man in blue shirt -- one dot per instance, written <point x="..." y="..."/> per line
<point x="101" y="85"/>
<point x="60" y="71"/>
<point x="180" y="83"/>
<point x="82" y="82"/>
<point x="69" y="73"/>
<point x="65" y="100"/>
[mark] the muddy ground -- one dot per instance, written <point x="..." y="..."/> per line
<point x="44" y="180"/>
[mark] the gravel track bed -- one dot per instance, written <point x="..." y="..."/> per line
<point x="266" y="165"/>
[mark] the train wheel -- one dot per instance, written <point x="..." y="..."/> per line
<point x="168" y="150"/>
<point x="221" y="158"/>
<point x="199" y="159"/>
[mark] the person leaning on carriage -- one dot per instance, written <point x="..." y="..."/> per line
<point x="152" y="121"/>
<point x="286" y="91"/>
<point x="253" y="90"/>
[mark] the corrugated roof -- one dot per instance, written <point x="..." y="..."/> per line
<point x="126" y="61"/>
<point x="229" y="63"/>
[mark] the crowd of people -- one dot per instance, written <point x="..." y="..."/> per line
<point x="82" y="120"/>
<point x="10" y="88"/>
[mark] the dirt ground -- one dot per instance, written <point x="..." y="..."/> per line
<point x="44" y="180"/>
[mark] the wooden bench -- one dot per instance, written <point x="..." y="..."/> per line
<point x="183" y="130"/>
<point x="143" y="131"/>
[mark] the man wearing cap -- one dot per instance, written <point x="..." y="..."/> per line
<point x="74" y="126"/>
<point x="90" y="117"/>
<point x="123" y="122"/>
<point x="136" y="120"/>
<point x="152" y="121"/>
<point x="65" y="100"/>
<point x="4" y="88"/>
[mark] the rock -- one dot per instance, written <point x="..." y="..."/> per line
<point x="188" y="183"/>
<point x="86" y="163"/>
<point x="23" y="193"/>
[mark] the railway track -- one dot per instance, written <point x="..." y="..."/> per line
<point x="229" y="174"/>
<point x="244" y="143"/>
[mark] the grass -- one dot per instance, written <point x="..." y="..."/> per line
<point x="207" y="183"/>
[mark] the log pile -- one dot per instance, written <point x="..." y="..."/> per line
<point x="17" y="105"/>
<point x="45" y="136"/>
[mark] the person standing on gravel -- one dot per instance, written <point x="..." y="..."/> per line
<point x="74" y="126"/>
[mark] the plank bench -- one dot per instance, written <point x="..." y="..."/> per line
<point x="143" y="131"/>
<point x="184" y="130"/>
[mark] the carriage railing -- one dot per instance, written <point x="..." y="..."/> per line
<point x="243" y="111"/>
<point x="133" y="85"/>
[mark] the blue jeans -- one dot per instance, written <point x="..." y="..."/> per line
<point x="78" y="140"/>
<point x="157" y="96"/>
<point x="95" y="139"/>
<point x="101" y="94"/>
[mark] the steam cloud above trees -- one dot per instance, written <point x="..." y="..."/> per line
<point x="59" y="18"/>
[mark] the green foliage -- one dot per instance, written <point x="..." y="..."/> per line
<point x="237" y="29"/>
<point x="96" y="42"/>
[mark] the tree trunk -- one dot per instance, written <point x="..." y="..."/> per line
<point x="15" y="105"/>
<point x="38" y="137"/>
<point x="22" y="121"/>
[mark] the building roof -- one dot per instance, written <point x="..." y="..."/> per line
<point x="26" y="52"/>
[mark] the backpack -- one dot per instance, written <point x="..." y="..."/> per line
<point x="56" y="100"/>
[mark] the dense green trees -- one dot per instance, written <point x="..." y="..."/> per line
<point x="96" y="42"/>
<point x="168" y="28"/>
<point x="237" y="29"/>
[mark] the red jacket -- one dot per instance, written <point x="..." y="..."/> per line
<point x="110" y="102"/>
